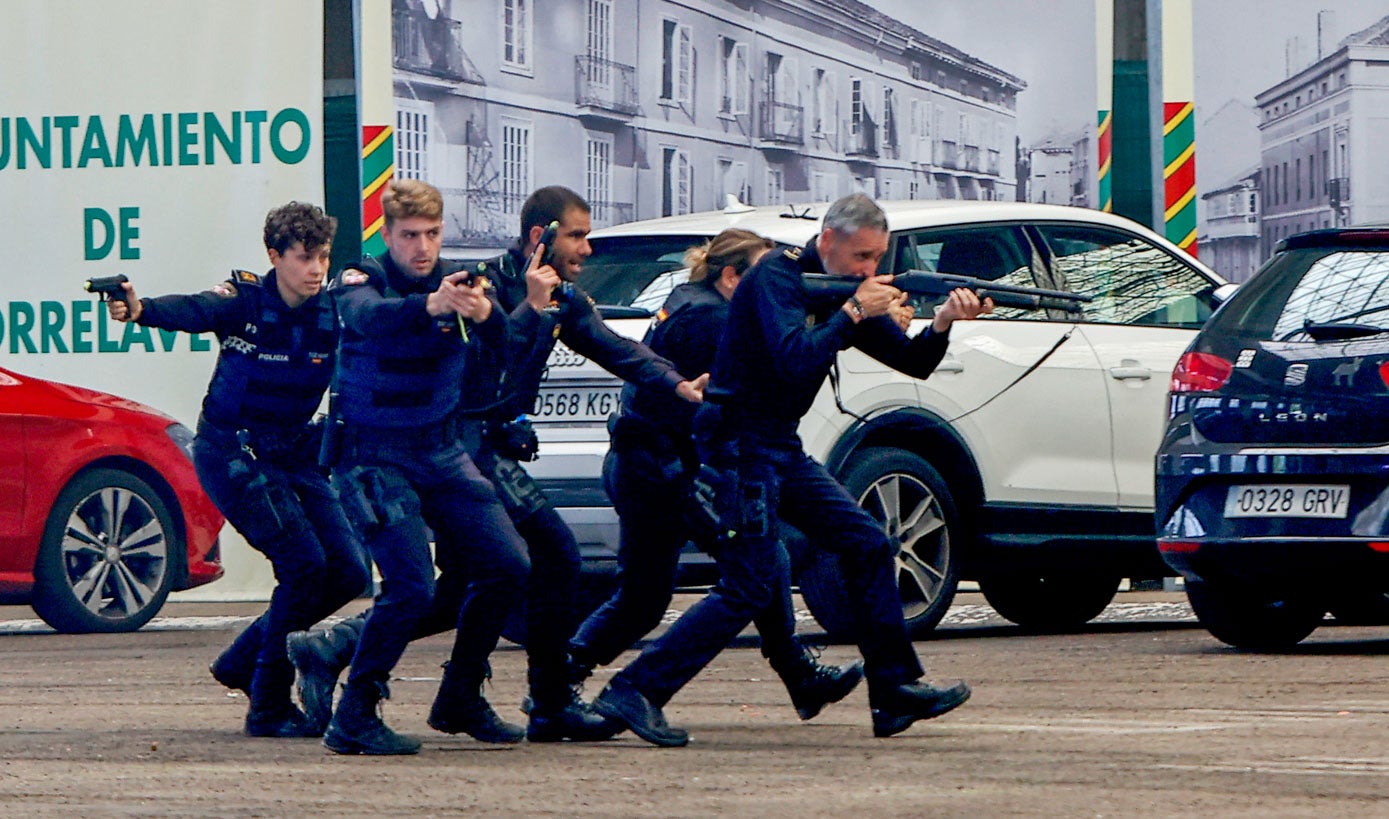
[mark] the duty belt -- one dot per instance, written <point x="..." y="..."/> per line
<point x="634" y="432"/>
<point x="356" y="437"/>
<point x="259" y="443"/>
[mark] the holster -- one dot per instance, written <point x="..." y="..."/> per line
<point x="519" y="493"/>
<point x="515" y="439"/>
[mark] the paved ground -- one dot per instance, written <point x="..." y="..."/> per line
<point x="1144" y="715"/>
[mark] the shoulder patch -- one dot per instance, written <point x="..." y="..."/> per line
<point x="353" y="276"/>
<point x="226" y="290"/>
<point x="245" y="277"/>
<point x="792" y="253"/>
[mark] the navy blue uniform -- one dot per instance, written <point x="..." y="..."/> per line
<point x="256" y="455"/>
<point x="773" y="363"/>
<point x="501" y="380"/>
<point x="646" y="474"/>
<point x="554" y="552"/>
<point x="403" y="468"/>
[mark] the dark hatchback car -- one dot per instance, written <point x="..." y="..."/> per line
<point x="1273" y="475"/>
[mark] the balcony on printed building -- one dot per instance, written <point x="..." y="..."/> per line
<point x="605" y="90"/>
<point x="1338" y="191"/>
<point x="431" y="46"/>
<point x="863" y="141"/>
<point x="948" y="154"/>
<point x="780" y="125"/>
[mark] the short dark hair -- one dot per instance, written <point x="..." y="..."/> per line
<point x="546" y="205"/>
<point x="299" y="222"/>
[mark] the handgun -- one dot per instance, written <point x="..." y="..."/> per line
<point x="108" y="287"/>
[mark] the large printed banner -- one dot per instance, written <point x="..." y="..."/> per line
<point x="149" y="138"/>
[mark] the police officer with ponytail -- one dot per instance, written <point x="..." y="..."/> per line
<point x="256" y="450"/>
<point x="647" y="474"/>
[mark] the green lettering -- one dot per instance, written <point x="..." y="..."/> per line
<point x="91" y="217"/>
<point x="254" y="119"/>
<point x="168" y="122"/>
<point x="187" y="139"/>
<point x="137" y="334"/>
<point x="196" y="343"/>
<point x="21" y="322"/>
<point x="126" y="138"/>
<point x="290" y="115"/>
<point x="66" y="124"/>
<point x="104" y="344"/>
<point x="167" y="339"/>
<point x="81" y="326"/>
<point x="51" y="322"/>
<point x="24" y="135"/>
<point x="129" y="233"/>
<point x="94" y="145"/>
<point x="230" y="142"/>
<point x="4" y="141"/>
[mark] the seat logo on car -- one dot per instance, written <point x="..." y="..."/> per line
<point x="1296" y="375"/>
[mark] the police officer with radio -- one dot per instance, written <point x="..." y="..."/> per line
<point x="770" y="365"/>
<point x="535" y="281"/>
<point x="256" y="450"/>
<point x="648" y="472"/>
<point x="402" y="469"/>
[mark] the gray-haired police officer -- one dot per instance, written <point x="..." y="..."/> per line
<point x="772" y="363"/>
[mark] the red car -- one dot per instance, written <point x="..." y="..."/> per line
<point x="101" y="514"/>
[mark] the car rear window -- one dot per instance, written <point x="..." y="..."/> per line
<point x="1303" y="295"/>
<point x="636" y="271"/>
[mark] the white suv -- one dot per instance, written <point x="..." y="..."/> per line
<point x="1025" y="462"/>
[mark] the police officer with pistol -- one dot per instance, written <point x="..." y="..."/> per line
<point x="402" y="470"/>
<point x="648" y="473"/>
<point x="256" y="451"/>
<point x="535" y="281"/>
<point x="771" y="364"/>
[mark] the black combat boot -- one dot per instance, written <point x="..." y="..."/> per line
<point x="896" y="708"/>
<point x="235" y="666"/>
<point x="460" y="708"/>
<point x="812" y="684"/>
<point x="272" y="714"/>
<point x="557" y="713"/>
<point x="356" y="727"/>
<point x="320" y="655"/>
<point x="622" y="702"/>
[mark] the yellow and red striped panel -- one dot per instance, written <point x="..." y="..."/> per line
<point x="1105" y="140"/>
<point x="1179" y="174"/>
<point x="378" y="163"/>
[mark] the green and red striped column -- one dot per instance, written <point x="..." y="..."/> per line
<point x="378" y="164"/>
<point x="1178" y="124"/>
<point x="1104" y="98"/>
<point x="1179" y="174"/>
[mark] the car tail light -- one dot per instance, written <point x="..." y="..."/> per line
<point x="1200" y="372"/>
<point x="1384" y="373"/>
<point x="1178" y="546"/>
<point x="1379" y="546"/>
